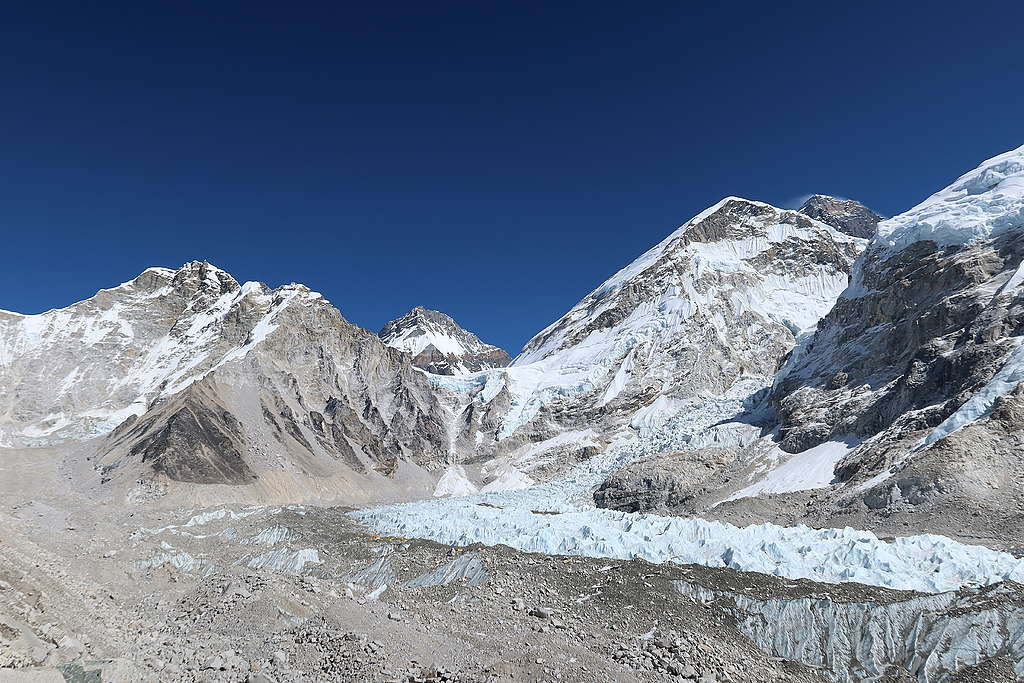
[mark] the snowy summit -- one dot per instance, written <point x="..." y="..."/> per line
<point x="440" y="345"/>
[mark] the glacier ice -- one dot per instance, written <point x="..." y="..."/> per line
<point x="931" y="637"/>
<point x="926" y="563"/>
<point x="467" y="566"/>
<point x="285" y="560"/>
<point x="559" y="518"/>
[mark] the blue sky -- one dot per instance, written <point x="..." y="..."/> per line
<point x="493" y="160"/>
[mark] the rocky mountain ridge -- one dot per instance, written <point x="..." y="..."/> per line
<point x="79" y="371"/>
<point x="920" y="356"/>
<point x="271" y="393"/>
<point x="209" y="381"/>
<point x="709" y="312"/>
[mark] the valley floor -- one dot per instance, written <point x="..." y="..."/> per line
<point x="94" y="591"/>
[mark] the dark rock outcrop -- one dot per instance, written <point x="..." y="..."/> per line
<point x="668" y="482"/>
<point x="845" y="215"/>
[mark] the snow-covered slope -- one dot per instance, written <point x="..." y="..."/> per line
<point x="772" y="263"/>
<point x="79" y="371"/>
<point x="718" y="302"/>
<point x="980" y="205"/>
<point x="438" y="344"/>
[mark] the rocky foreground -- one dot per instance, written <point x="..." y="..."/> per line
<point x="265" y="594"/>
<point x="245" y="604"/>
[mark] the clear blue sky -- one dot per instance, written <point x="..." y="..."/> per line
<point x="492" y="160"/>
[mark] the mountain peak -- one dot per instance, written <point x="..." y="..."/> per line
<point x="733" y="218"/>
<point x="845" y="215"/>
<point x="440" y="345"/>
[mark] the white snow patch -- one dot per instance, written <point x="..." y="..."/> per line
<point x="417" y="340"/>
<point x="454" y="482"/>
<point x="810" y="469"/>
<point x="507" y="478"/>
<point x="620" y="379"/>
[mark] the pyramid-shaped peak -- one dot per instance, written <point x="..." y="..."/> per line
<point x="845" y="215"/>
<point x="439" y="344"/>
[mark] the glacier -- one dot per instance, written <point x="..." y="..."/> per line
<point x="931" y="637"/>
<point x="926" y="563"/>
<point x="559" y="518"/>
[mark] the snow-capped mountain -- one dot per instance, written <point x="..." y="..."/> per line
<point x="845" y="215"/>
<point x="719" y="301"/>
<point x="79" y="371"/>
<point x="939" y="288"/>
<point x="708" y="312"/>
<point x="439" y="345"/>
<point x="210" y="381"/>
<point x="904" y="407"/>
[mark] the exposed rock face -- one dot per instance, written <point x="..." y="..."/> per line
<point x="665" y="483"/>
<point x="970" y="478"/>
<point x="439" y="345"/>
<point x="195" y="444"/>
<point x="845" y="215"/>
<point x="328" y="396"/>
<point x="926" y="323"/>
<point x="927" y="331"/>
